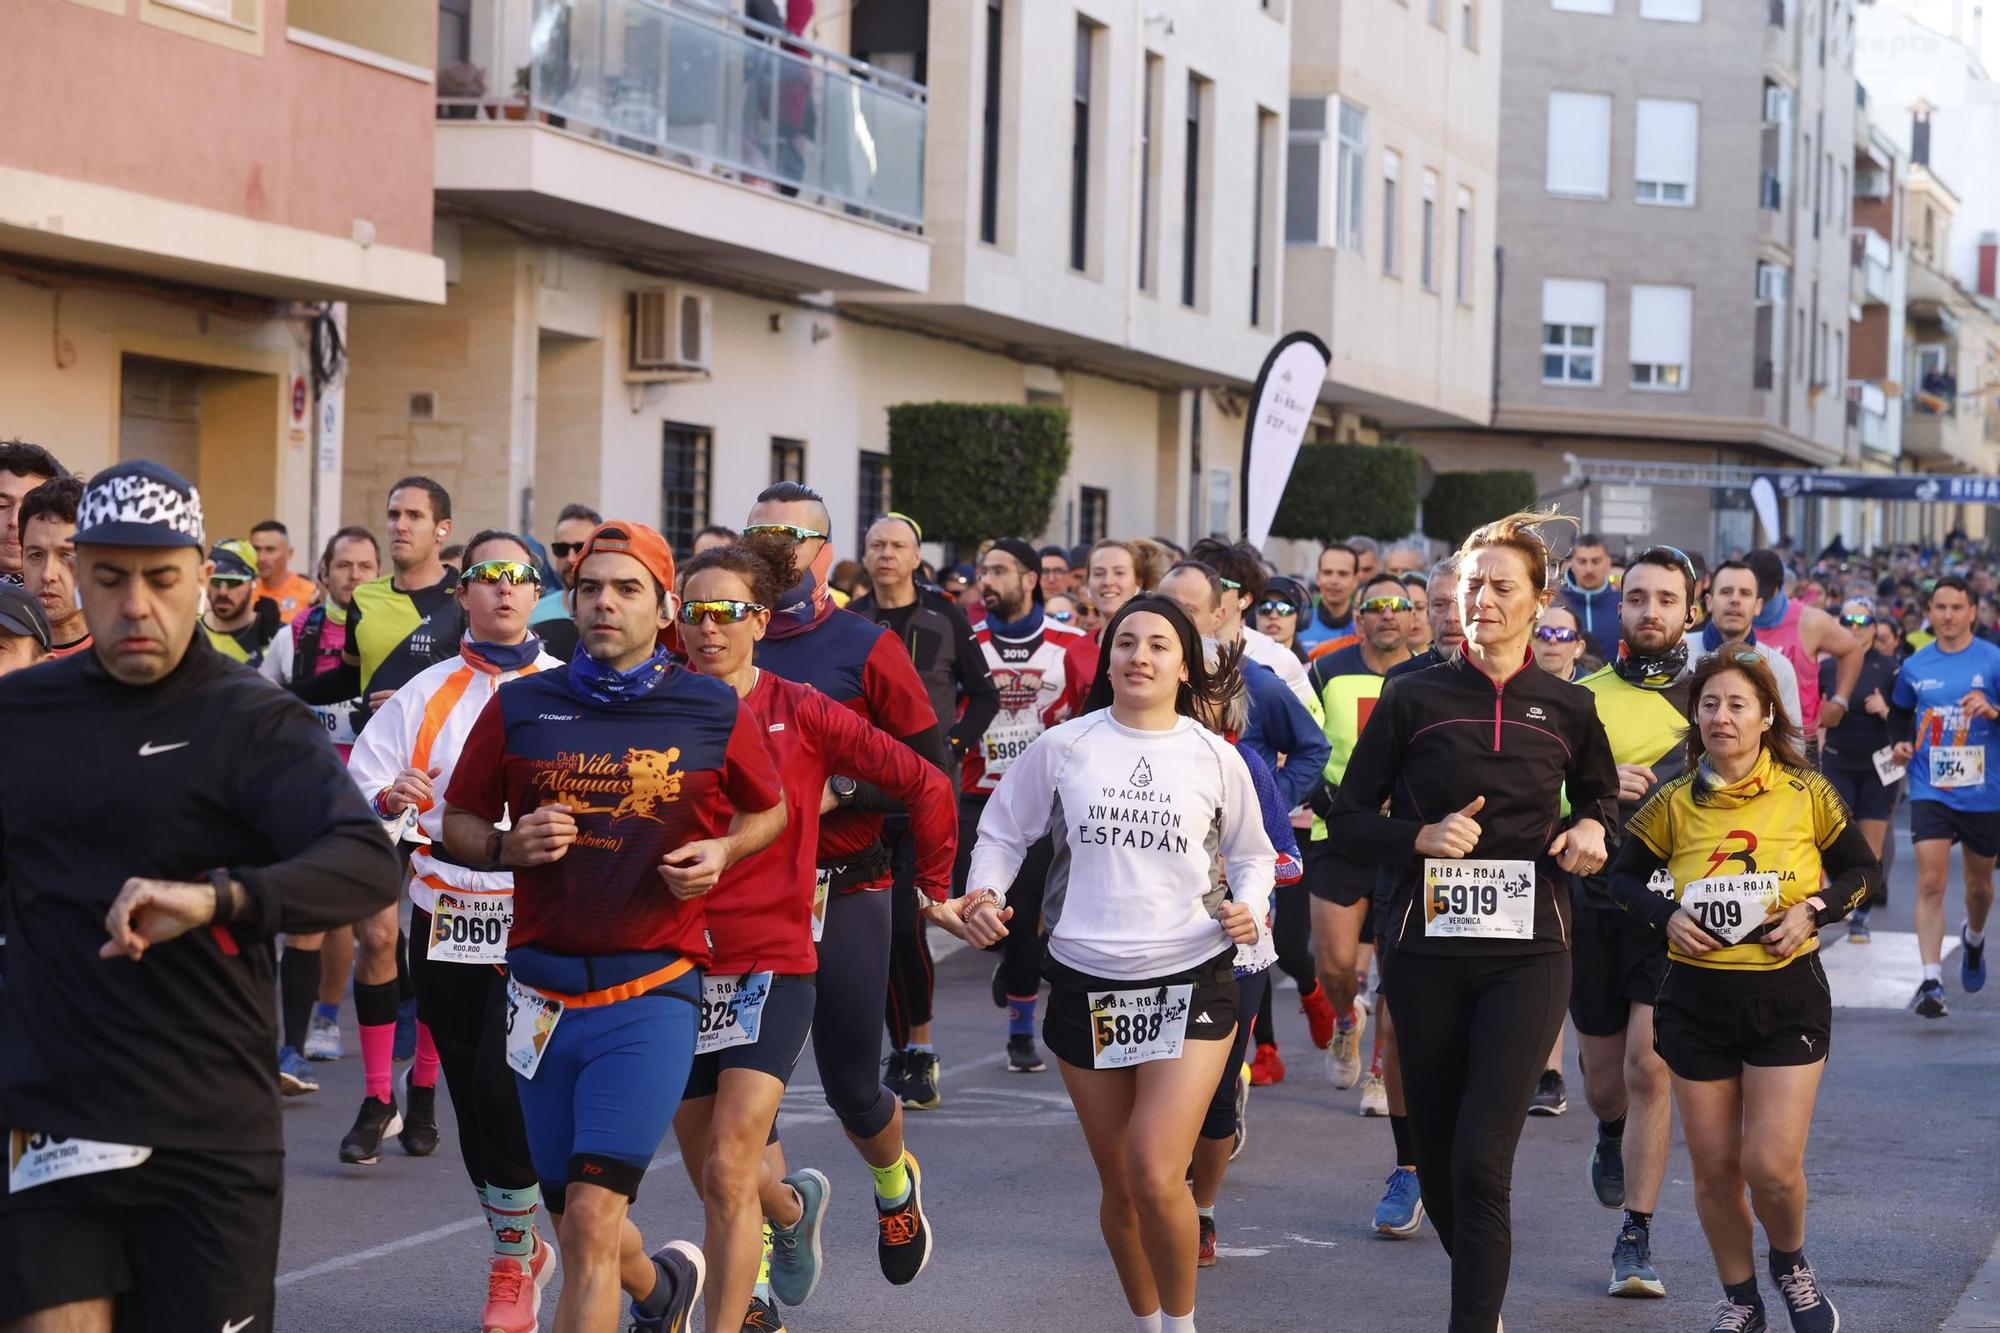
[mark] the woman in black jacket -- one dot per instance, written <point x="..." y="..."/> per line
<point x="1471" y="757"/>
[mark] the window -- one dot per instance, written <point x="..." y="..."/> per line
<point x="1149" y="165"/>
<point x="1671" y="11"/>
<point x="989" y="148"/>
<point x="1392" y="168"/>
<point x="1267" y="134"/>
<point x="684" y="463"/>
<point x="1079" y="151"/>
<point x="1579" y="144"/>
<point x="1584" y="6"/>
<point x="1662" y="336"/>
<point x="1197" y="92"/>
<point x="1305" y="158"/>
<point x="788" y="460"/>
<point x="871" y="489"/>
<point x="1572" y="328"/>
<point x="1353" y="157"/>
<point x="1665" y="151"/>
<point x="454" y="31"/>
<point x="1428" y="240"/>
<point x="1220" y="522"/>
<point x="1464" y="246"/>
<point x="1093" y="513"/>
<point x="1435" y="9"/>
<point x="1468" y="24"/>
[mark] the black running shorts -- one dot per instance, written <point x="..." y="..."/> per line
<point x="1855" y="778"/>
<point x="1712" y="1021"/>
<point x="1066" y="1023"/>
<point x="781" y="1039"/>
<point x="1978" y="831"/>
<point x="1615" y="962"/>
<point x="183" y="1241"/>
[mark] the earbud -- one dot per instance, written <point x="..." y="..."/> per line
<point x="1771" y="718"/>
<point x="440" y="533"/>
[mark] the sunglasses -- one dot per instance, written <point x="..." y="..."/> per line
<point x="218" y="581"/>
<point x="1556" y="634"/>
<point x="1062" y="617"/>
<point x="1276" y="607"/>
<point x="792" y="530"/>
<point x="1745" y="657"/>
<point x="1231" y="584"/>
<point x="564" y="550"/>
<point x="1673" y="553"/>
<point x="1857" y="620"/>
<point x="1377" y="605"/>
<point x="720" y="612"/>
<point x="516" y="572"/>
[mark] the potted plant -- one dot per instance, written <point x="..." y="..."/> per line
<point x="522" y="89"/>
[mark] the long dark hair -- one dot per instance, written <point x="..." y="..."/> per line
<point x="1783" y="740"/>
<point x="1204" y="685"/>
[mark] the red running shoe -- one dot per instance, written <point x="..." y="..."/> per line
<point x="1266" y="1067"/>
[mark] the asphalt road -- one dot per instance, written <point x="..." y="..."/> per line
<point x="1904" y="1169"/>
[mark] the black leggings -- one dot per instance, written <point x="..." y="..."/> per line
<point x="1474" y="1033"/>
<point x="911" y="971"/>
<point x="1021" y="953"/>
<point x="1220" y="1122"/>
<point x="847" y="1027"/>
<point x="465" y="1005"/>
<point x="1291" y="932"/>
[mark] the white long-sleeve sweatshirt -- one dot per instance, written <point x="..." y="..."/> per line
<point x="1146" y="824"/>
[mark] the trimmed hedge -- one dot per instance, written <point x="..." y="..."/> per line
<point x="969" y="471"/>
<point x="1338" y="491"/>
<point x="1461" y="501"/>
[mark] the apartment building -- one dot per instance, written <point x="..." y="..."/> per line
<point x="1674" y="200"/>
<point x="689" y="252"/>
<point x="186" y="186"/>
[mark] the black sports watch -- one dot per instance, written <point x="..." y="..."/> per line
<point x="844" y="790"/>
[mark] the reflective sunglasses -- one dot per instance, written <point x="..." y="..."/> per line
<point x="564" y="550"/>
<point x="792" y="530"/>
<point x="516" y="572"/>
<point x="1273" y="606"/>
<point x="720" y="612"/>
<point x="1857" y="620"/>
<point x="1377" y="605"/>
<point x="1231" y="584"/>
<point x="1062" y="617"/>
<point x="1746" y="657"/>
<point x="1556" y="634"/>
<point x="1673" y="553"/>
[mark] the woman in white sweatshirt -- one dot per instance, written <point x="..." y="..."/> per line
<point x="1150" y="811"/>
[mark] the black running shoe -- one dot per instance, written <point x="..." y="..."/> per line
<point x="896" y="1074"/>
<point x="920" y="1081"/>
<point x="681" y="1271"/>
<point x="903" y="1245"/>
<point x="375" y="1122"/>
<point x="1729" y="1317"/>
<point x="420" y="1118"/>
<point x="1551" y="1095"/>
<point x="763" y="1317"/>
<point x="1806" y="1301"/>
<point x="1929" y="1002"/>
<point x="1022" y="1055"/>
<point x="1607" y="1170"/>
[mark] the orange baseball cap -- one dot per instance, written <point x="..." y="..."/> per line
<point x="637" y="540"/>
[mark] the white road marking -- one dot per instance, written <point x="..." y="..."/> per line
<point x="1882" y="974"/>
<point x="1239" y="1252"/>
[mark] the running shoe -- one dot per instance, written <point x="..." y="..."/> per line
<point x="999" y="986"/>
<point x="763" y="1317"/>
<point x="1023" y="1057"/>
<point x="1929" y="1002"/>
<point x="406" y="1030"/>
<point x="420" y="1118"/>
<point x="1607" y="1171"/>
<point x="1806" y="1301"/>
<point x="1551" y="1094"/>
<point x="1266" y="1067"/>
<point x="1401" y="1211"/>
<point x="1242" y="1134"/>
<point x="920" y="1081"/>
<point x="1632" y="1271"/>
<point x="1857" y="928"/>
<point x="903" y="1244"/>
<point x="295" y="1073"/>
<point x="1319" y="1016"/>
<point x="514" y="1291"/>
<point x="376" y="1121"/>
<point x="896" y="1074"/>
<point x="1343" y="1057"/>
<point x="796" y="1260"/>
<point x="1205" y="1256"/>
<point x="1971" y="964"/>
<point x="682" y="1269"/>
<point x="323" y="1039"/>
<point x="1729" y="1317"/>
<point x="1374" y="1096"/>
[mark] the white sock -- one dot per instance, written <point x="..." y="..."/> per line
<point x="1148" y="1323"/>
<point x="1208" y="1212"/>
<point x="1973" y="938"/>
<point x="1177" y="1323"/>
<point x="1934" y="972"/>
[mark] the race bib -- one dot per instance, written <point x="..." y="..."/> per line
<point x="1662" y="883"/>
<point x="531" y="1021"/>
<point x="1480" y="900"/>
<point x="1731" y="906"/>
<point x="822" y="890"/>
<point x="1958" y="766"/>
<point x="337" y="720"/>
<point x="732" y="1010"/>
<point x="1132" y="1027"/>
<point x="470" y="928"/>
<point x="1007" y="739"/>
<point x="1886" y="766"/>
<point x="34" y="1158"/>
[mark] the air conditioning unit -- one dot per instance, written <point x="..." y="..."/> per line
<point x="671" y="330"/>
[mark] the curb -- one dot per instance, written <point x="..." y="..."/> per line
<point x="1979" y="1307"/>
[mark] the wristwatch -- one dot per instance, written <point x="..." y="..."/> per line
<point x="844" y="790"/>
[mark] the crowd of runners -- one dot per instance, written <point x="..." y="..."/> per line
<point x="604" y="835"/>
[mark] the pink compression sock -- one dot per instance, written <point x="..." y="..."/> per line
<point x="424" y="1071"/>
<point x="378" y="1046"/>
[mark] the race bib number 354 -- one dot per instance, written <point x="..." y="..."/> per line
<point x="1480" y="900"/>
<point x="1132" y="1027"/>
<point x="1958" y="766"/>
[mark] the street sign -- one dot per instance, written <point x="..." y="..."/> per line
<point x="1624" y="511"/>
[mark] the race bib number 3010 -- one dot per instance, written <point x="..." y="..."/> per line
<point x="1481" y="900"/>
<point x="1132" y="1027"/>
<point x="36" y="1159"/>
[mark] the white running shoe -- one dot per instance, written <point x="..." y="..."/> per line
<point x="1343" y="1057"/>
<point x="1374" y="1096"/>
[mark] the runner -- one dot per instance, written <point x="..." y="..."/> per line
<point x="1441" y="614"/>
<point x="1333" y="614"/>
<point x="459" y="915"/>
<point x="934" y="631"/>
<point x="634" y="784"/>
<point x="1119" y="570"/>
<point x="1026" y="657"/>
<point x="552" y="621"/>
<point x="1417" y="634"/>
<point x="1734" y="607"/>
<point x="1848" y="755"/>
<point x="1477" y="981"/>
<point x="47" y="517"/>
<point x="1146" y="804"/>
<point x="1405" y="559"/>
<point x="1617" y="965"/>
<point x="1942" y="711"/>
<point x="1592" y="594"/>
<point x="759" y="997"/>
<point x="1367" y="558"/>
<point x="294" y="593"/>
<point x="1805" y="634"/>
<point x="1241" y="570"/>
<point x="1559" y="644"/>
<point x="239" y="624"/>
<point x="24" y="629"/>
<point x="859" y="665"/>
<point x="146" y="1164"/>
<point x="1745" y="1019"/>
<point x="1053" y="564"/>
<point x="23" y="467"/>
<point x="1278" y="613"/>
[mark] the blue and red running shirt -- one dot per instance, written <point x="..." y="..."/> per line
<point x="863" y="666"/>
<point x="644" y="778"/>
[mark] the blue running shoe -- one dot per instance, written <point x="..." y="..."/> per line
<point x="1857" y="928"/>
<point x="795" y="1250"/>
<point x="1971" y="964"/>
<point x="682" y="1271"/>
<point x="295" y="1073"/>
<point x="406" y="1030"/>
<point x="1401" y="1211"/>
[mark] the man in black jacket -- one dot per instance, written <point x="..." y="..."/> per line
<point x="195" y="812"/>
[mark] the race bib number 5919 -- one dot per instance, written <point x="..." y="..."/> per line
<point x="1482" y="900"/>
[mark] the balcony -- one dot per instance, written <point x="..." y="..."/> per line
<point x="1871" y="267"/>
<point x="1937" y="432"/>
<point x="697" y="135"/>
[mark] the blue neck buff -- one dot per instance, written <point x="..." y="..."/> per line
<point x="1711" y="637"/>
<point x="500" y="658"/>
<point x="1027" y="627"/>
<point x="1774" y="612"/>
<point x="601" y="684"/>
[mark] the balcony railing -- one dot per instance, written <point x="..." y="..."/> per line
<point x="703" y="87"/>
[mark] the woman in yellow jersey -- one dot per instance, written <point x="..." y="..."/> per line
<point x="1749" y="834"/>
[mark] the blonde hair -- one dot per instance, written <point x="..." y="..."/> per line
<point x="1519" y="531"/>
<point x="1150" y="560"/>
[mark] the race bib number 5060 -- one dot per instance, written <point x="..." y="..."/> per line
<point x="1481" y="900"/>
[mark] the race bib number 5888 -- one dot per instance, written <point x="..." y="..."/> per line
<point x="1133" y="1027"/>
